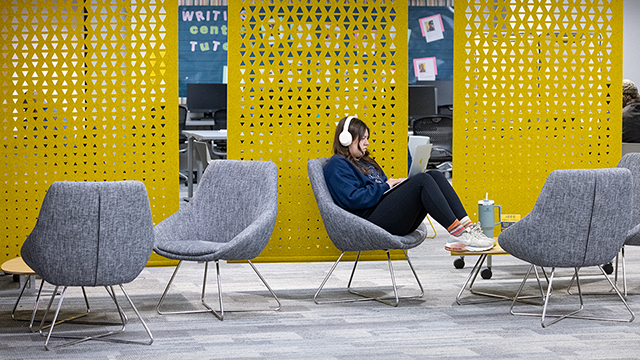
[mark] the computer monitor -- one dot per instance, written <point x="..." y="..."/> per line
<point x="423" y="100"/>
<point x="206" y="98"/>
<point x="445" y="90"/>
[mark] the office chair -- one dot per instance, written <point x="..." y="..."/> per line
<point x="439" y="128"/>
<point x="183" y="113"/>
<point x="445" y="109"/>
<point x="219" y="147"/>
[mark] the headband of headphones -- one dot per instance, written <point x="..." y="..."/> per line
<point x="345" y="136"/>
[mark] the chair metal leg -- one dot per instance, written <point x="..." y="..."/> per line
<point x="364" y="297"/>
<point x="208" y="308"/>
<point x="266" y="285"/>
<point x="102" y="336"/>
<point x="35" y="309"/>
<point x="624" y="272"/>
<point x="571" y="314"/>
<point x="615" y="282"/>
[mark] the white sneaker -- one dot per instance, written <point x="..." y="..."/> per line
<point x="476" y="230"/>
<point x="468" y="241"/>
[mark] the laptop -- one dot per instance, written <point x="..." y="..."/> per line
<point x="419" y="161"/>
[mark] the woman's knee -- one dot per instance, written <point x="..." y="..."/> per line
<point x="425" y="179"/>
<point x="436" y="175"/>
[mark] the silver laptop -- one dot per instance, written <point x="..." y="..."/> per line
<point x="419" y="162"/>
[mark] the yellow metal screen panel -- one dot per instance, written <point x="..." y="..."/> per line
<point x="89" y="93"/>
<point x="295" y="69"/>
<point x="537" y="87"/>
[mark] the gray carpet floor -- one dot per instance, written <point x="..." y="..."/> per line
<point x="431" y="327"/>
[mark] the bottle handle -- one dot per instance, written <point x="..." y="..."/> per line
<point x="499" y="215"/>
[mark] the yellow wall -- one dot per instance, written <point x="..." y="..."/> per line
<point x="294" y="71"/>
<point x="537" y="87"/>
<point x="88" y="94"/>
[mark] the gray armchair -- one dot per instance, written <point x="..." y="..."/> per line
<point x="631" y="161"/>
<point x="349" y="232"/>
<point x="231" y="217"/>
<point x="91" y="234"/>
<point x="580" y="219"/>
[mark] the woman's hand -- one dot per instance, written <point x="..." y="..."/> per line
<point x="394" y="182"/>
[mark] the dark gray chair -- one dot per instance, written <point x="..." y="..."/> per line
<point x="439" y="128"/>
<point x="91" y="234"/>
<point x="183" y="113"/>
<point x="349" y="232"/>
<point x="231" y="217"/>
<point x="580" y="219"/>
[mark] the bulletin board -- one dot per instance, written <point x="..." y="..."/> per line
<point x="202" y="50"/>
<point x="203" y="53"/>
<point x="435" y="43"/>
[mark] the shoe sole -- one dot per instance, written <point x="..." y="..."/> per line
<point x="463" y="247"/>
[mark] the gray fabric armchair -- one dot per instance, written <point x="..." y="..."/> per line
<point x="349" y="232"/>
<point x="231" y="217"/>
<point x="91" y="234"/>
<point x="631" y="161"/>
<point x="580" y="219"/>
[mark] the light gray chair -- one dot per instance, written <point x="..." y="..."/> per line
<point x="580" y="219"/>
<point x="91" y="234"/>
<point x="631" y="161"/>
<point x="231" y="217"/>
<point x="349" y="232"/>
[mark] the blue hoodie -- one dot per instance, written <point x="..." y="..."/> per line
<point x="351" y="189"/>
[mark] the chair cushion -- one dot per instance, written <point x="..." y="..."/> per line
<point x="190" y="248"/>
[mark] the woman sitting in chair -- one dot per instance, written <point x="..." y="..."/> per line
<point x="358" y="184"/>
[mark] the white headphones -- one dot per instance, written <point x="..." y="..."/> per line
<point x="345" y="136"/>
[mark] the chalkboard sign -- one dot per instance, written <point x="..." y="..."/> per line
<point x="202" y="47"/>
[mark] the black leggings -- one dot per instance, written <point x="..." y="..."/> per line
<point x="402" y="210"/>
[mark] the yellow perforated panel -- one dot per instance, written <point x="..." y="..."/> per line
<point x="295" y="69"/>
<point x="89" y="93"/>
<point x="537" y="87"/>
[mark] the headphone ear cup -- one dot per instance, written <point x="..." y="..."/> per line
<point x="345" y="138"/>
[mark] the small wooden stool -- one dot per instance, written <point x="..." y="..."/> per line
<point x="18" y="267"/>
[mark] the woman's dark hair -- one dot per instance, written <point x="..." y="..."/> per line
<point x="357" y="128"/>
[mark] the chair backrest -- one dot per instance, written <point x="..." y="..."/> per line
<point x="347" y="231"/>
<point x="445" y="109"/>
<point x="91" y="234"/>
<point x="231" y="196"/>
<point x="581" y="218"/>
<point x="182" y="122"/>
<point x="439" y="128"/>
<point x="220" y="118"/>
<point x="631" y="161"/>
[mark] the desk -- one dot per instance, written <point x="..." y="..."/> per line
<point x="200" y="135"/>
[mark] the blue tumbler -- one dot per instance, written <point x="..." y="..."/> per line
<point x="486" y="215"/>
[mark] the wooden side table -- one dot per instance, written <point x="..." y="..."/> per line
<point x="27" y="277"/>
